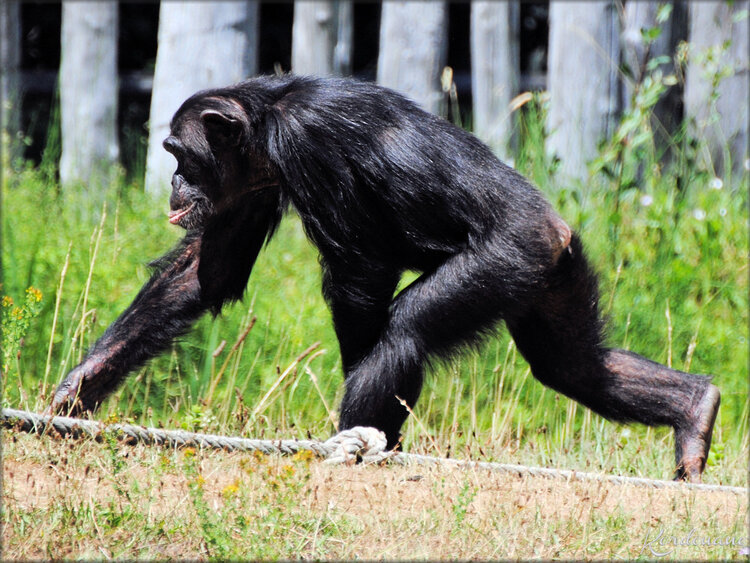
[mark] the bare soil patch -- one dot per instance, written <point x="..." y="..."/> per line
<point x="73" y="492"/>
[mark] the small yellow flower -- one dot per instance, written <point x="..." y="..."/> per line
<point x="34" y="294"/>
<point x="197" y="483"/>
<point x="231" y="489"/>
<point x="303" y="455"/>
<point x="7" y="301"/>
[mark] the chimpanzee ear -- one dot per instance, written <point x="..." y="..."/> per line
<point x="221" y="129"/>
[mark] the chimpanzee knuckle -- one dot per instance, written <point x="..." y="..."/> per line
<point x="64" y="398"/>
<point x="71" y="397"/>
<point x="72" y="384"/>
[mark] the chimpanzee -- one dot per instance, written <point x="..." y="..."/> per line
<point x="382" y="187"/>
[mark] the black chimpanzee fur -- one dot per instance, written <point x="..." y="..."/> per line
<point x="383" y="187"/>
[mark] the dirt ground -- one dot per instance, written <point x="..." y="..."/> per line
<point x="385" y="512"/>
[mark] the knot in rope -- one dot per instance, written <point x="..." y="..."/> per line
<point x="359" y="444"/>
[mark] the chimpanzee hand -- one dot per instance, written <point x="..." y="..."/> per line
<point x="77" y="394"/>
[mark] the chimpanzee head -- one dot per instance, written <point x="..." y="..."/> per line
<point x="216" y="162"/>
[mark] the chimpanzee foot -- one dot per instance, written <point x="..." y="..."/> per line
<point x="694" y="440"/>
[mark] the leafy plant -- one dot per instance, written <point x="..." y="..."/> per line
<point x="14" y="324"/>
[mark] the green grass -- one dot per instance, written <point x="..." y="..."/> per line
<point x="674" y="286"/>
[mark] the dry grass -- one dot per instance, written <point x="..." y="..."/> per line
<point x="66" y="499"/>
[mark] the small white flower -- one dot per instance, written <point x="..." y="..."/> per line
<point x="747" y="164"/>
<point x="699" y="214"/>
<point x="646" y="200"/>
<point x="723" y="211"/>
<point x="716" y="184"/>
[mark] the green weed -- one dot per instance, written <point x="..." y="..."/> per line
<point x="15" y="321"/>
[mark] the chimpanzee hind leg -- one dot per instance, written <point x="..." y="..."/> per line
<point x="449" y="306"/>
<point x="359" y="306"/>
<point x="560" y="337"/>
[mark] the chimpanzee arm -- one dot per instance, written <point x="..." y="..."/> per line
<point x="202" y="273"/>
<point x="165" y="308"/>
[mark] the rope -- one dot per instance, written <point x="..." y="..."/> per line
<point x="358" y="444"/>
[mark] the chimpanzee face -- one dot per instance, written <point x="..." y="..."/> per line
<point x="191" y="204"/>
<point x="215" y="163"/>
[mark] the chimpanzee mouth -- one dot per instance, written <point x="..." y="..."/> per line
<point x="176" y="216"/>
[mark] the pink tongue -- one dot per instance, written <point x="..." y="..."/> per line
<point x="175" y="216"/>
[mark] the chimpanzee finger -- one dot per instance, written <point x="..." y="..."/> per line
<point x="67" y="399"/>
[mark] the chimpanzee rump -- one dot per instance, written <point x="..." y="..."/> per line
<point x="381" y="187"/>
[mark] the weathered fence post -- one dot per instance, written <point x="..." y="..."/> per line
<point x="582" y="81"/>
<point x="719" y="45"/>
<point x="495" y="70"/>
<point x="636" y="53"/>
<point x="88" y="96"/>
<point x="413" y="50"/>
<point x="202" y="44"/>
<point x="10" y="83"/>
<point x="321" y="37"/>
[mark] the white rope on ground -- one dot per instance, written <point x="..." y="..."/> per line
<point x="367" y="445"/>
